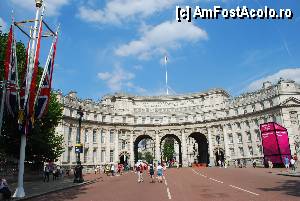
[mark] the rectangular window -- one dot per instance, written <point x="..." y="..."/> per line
<point x="240" y="139"/>
<point x="85" y="155"/>
<point x="258" y="137"/>
<point x="231" y="151"/>
<point x="94" y="136"/>
<point x="124" y="120"/>
<point x="294" y="117"/>
<point x="259" y="148"/>
<point x="111" y="136"/>
<point x="230" y="138"/>
<point x="70" y="134"/>
<point x="250" y="150"/>
<point x="94" y="155"/>
<point x="102" y="156"/>
<point x="111" y="156"/>
<point x="95" y="117"/>
<point x="102" y="136"/>
<point x="241" y="151"/>
<point x="86" y="136"/>
<point x="69" y="155"/>
<point x="123" y="144"/>
<point x="248" y="136"/>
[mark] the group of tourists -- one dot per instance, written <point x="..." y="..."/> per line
<point x="290" y="163"/>
<point x="55" y="170"/>
<point x="141" y="167"/>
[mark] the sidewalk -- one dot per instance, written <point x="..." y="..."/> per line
<point x="38" y="188"/>
<point x="291" y="173"/>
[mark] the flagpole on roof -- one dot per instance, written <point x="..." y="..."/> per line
<point x="166" y="61"/>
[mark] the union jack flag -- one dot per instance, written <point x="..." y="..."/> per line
<point x="11" y="74"/>
<point x="44" y="93"/>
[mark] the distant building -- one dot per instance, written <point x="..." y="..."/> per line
<point x="207" y="126"/>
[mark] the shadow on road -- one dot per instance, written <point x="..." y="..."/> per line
<point x="289" y="187"/>
<point x="69" y="194"/>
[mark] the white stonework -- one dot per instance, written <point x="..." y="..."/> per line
<point x="111" y="126"/>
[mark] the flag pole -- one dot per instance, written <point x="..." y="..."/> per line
<point x="19" y="193"/>
<point x="166" y="60"/>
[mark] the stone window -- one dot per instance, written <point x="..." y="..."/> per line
<point x="94" y="155"/>
<point x="253" y="108"/>
<point x="250" y="150"/>
<point x="70" y="134"/>
<point x="124" y="120"/>
<point x="230" y="138"/>
<point x="102" y="137"/>
<point x="231" y="150"/>
<point x="248" y="136"/>
<point x="69" y="155"/>
<point x="94" y="136"/>
<point x="95" y="117"/>
<point x="123" y="144"/>
<point x="85" y="155"/>
<point x="238" y="125"/>
<point x="240" y="139"/>
<point x="293" y="117"/>
<point x="258" y="136"/>
<point x="259" y="149"/>
<point x="111" y="156"/>
<point x="86" y="136"/>
<point x="102" y="155"/>
<point x="111" y="136"/>
<point x="241" y="151"/>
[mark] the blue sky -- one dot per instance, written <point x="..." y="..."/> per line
<point x="118" y="45"/>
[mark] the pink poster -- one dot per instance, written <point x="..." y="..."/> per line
<point x="283" y="142"/>
<point x="279" y="128"/>
<point x="269" y="143"/>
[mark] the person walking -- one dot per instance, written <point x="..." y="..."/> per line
<point x="287" y="163"/>
<point x="159" y="173"/>
<point x="254" y="163"/>
<point x="4" y="190"/>
<point x="112" y="169"/>
<point x="139" y="170"/>
<point x="151" y="172"/>
<point x="292" y="161"/>
<point x="46" y="172"/>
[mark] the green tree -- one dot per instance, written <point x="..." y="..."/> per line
<point x="148" y="157"/>
<point x="43" y="142"/>
<point x="168" y="149"/>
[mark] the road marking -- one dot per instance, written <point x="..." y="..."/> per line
<point x="166" y="182"/>
<point x="243" y="190"/>
<point x="216" y="180"/>
<point x="199" y="173"/>
<point x="169" y="194"/>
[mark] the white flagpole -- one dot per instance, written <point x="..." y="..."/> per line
<point x="166" y="60"/>
<point x="19" y="193"/>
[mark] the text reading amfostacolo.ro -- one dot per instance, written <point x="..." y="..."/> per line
<point x="188" y="13"/>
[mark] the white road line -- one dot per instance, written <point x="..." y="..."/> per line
<point x="166" y="183"/>
<point x="199" y="173"/>
<point x="169" y="194"/>
<point x="243" y="190"/>
<point x="216" y="180"/>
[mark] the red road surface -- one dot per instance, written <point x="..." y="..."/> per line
<point x="189" y="184"/>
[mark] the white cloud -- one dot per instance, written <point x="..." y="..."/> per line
<point x="3" y="25"/>
<point x="117" y="79"/>
<point x="118" y="11"/>
<point x="288" y="73"/>
<point x="166" y="35"/>
<point x="52" y="6"/>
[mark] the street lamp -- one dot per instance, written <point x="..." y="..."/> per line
<point x="218" y="141"/>
<point x="38" y="3"/>
<point x="79" y="149"/>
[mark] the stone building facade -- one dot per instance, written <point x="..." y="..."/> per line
<point x="212" y="123"/>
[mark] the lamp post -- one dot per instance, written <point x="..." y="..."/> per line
<point x="78" y="149"/>
<point x="218" y="141"/>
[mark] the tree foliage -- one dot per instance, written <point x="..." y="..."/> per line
<point x="168" y="149"/>
<point x="43" y="142"/>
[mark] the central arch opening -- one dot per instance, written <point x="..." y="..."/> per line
<point x="198" y="149"/>
<point x="144" y="148"/>
<point x="167" y="143"/>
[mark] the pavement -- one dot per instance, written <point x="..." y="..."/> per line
<point x="38" y="188"/>
<point x="188" y="184"/>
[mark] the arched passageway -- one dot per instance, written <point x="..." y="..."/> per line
<point x="172" y="136"/>
<point x="202" y="156"/>
<point x="136" y="146"/>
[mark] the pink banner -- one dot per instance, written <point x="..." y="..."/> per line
<point x="267" y="127"/>
<point x="283" y="142"/>
<point x="269" y="143"/>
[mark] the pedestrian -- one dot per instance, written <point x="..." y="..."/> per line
<point x="4" y="190"/>
<point x="292" y="161"/>
<point x="159" y="173"/>
<point x="270" y="164"/>
<point x="46" y="172"/>
<point x="220" y="163"/>
<point x="254" y="163"/>
<point x="286" y="163"/>
<point x="112" y="169"/>
<point x="95" y="170"/>
<point x="139" y="171"/>
<point x="151" y="172"/>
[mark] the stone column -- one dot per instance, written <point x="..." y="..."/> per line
<point x="225" y="136"/>
<point x="157" y="147"/>
<point x="253" y="127"/>
<point x="99" y="147"/>
<point x="116" y="145"/>
<point x="107" y="145"/>
<point x="235" y="141"/>
<point x="210" y="147"/>
<point x="245" y="139"/>
<point x="131" y="151"/>
<point x="184" y="149"/>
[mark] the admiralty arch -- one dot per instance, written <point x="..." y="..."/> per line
<point x="213" y="123"/>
